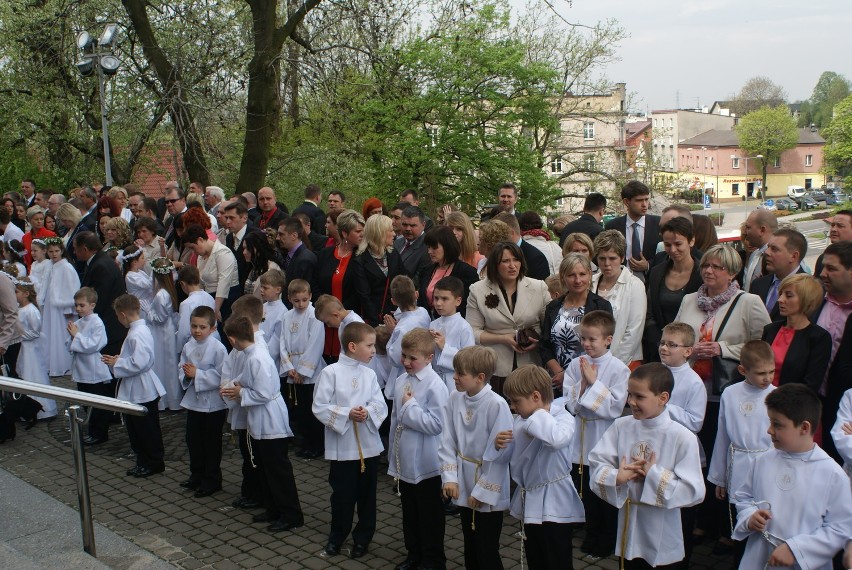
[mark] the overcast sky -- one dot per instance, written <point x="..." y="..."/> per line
<point x="685" y="52"/>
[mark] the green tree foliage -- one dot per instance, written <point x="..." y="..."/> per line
<point x="838" y="135"/>
<point x="769" y="131"/>
<point x="831" y="88"/>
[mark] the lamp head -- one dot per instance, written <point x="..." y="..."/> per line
<point x="109" y="36"/>
<point x="84" y="41"/>
<point x="86" y="67"/>
<point x="110" y="64"/>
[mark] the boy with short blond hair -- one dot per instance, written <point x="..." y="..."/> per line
<point x="301" y="361"/>
<point x="199" y="370"/>
<point x="258" y="390"/>
<point x="595" y="389"/>
<point x="87" y="337"/>
<point x="410" y="317"/>
<point x="419" y="398"/>
<point x="349" y="402"/>
<point x="190" y="281"/>
<point x="648" y="466"/>
<point x="795" y="507"/>
<point x="539" y="445"/>
<point x="271" y="284"/>
<point x="743" y="420"/>
<point x="332" y="313"/>
<point x="450" y="330"/>
<point x="476" y="479"/>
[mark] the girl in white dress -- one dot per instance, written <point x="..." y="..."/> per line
<point x="31" y="364"/>
<point x="39" y="267"/>
<point x="139" y="283"/>
<point x="60" y="285"/>
<point x="14" y="255"/>
<point x="162" y="320"/>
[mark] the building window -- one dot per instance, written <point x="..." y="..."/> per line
<point x="556" y="165"/>
<point x="735" y="162"/>
<point x="655" y="123"/>
<point x="588" y="131"/>
<point x="589" y="161"/>
<point x="777" y="163"/>
<point x="809" y="183"/>
<point x="809" y="160"/>
<point x="735" y="189"/>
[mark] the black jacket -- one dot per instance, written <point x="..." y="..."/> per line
<point x="807" y="358"/>
<point x="594" y="302"/>
<point x="373" y="287"/>
<point x="585" y="224"/>
<point x="242" y="265"/>
<point x="654" y="320"/>
<point x="651" y="237"/>
<point x="314" y="213"/>
<point x="462" y="270"/>
<point x="104" y="276"/>
<point x="300" y="267"/>
<point x="324" y="271"/>
<point x="537" y="265"/>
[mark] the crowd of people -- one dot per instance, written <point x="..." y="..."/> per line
<point x="637" y="376"/>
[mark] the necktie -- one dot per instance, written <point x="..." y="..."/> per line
<point x="407" y="243"/>
<point x="636" y="248"/>
<point x="229" y="241"/>
<point x="772" y="296"/>
<point x="286" y="262"/>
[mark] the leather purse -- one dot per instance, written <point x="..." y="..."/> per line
<point x="526" y="337"/>
<point x="725" y="370"/>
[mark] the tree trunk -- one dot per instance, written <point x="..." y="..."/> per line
<point x="169" y="77"/>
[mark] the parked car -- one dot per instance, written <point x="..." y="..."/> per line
<point x="795" y="192"/>
<point x="834" y="197"/>
<point x="818" y="195"/>
<point x="786" y="204"/>
<point x="767" y="205"/>
<point x="807" y="203"/>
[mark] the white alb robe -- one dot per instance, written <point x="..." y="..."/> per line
<point x="61" y="284"/>
<point x="457" y="335"/>
<point x="843" y="442"/>
<point x="471" y="424"/>
<point x="162" y="322"/>
<point x="261" y="395"/>
<point x="382" y="367"/>
<point x="31" y="364"/>
<point x="599" y="405"/>
<point x="688" y="402"/>
<point x="340" y="387"/>
<point x="541" y="466"/>
<point x="232" y="373"/>
<point x="302" y="339"/>
<point x="86" y="364"/>
<point x="273" y="318"/>
<point x="351" y="317"/>
<point x="405" y="321"/>
<point x="741" y="436"/>
<point x="202" y="392"/>
<point x="138" y="383"/>
<point x="194" y="299"/>
<point x="141" y="285"/>
<point x="811" y="504"/>
<point x="38" y="275"/>
<point x="416" y="426"/>
<point x="673" y="482"/>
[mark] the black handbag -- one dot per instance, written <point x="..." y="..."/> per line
<point x="725" y="370"/>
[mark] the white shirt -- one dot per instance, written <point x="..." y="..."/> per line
<point x="405" y="321"/>
<point x="688" y="402"/>
<point x="138" y="382"/>
<point x="261" y="395"/>
<point x="13" y="232"/>
<point x="458" y="334"/>
<point x="273" y="315"/>
<point x="194" y="299"/>
<point x="86" y="364"/>
<point x="302" y="339"/>
<point x="629" y="307"/>
<point x="202" y="392"/>
<point x="843" y="442"/>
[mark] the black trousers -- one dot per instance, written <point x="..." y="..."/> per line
<point x="601" y="517"/>
<point x="481" y="539"/>
<point x="99" y="420"/>
<point x="423" y="522"/>
<point x="640" y="564"/>
<point x="204" y="442"/>
<point x="251" y="486"/>
<point x="350" y="489"/>
<point x="277" y="484"/>
<point x="712" y="515"/>
<point x="146" y="440"/>
<point x="548" y="546"/>
<point x="313" y="432"/>
<point x="687" y="524"/>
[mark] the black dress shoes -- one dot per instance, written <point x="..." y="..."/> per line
<point x="332" y="549"/>
<point x="201" y="493"/>
<point x="143" y="472"/>
<point x="358" y="551"/>
<point x="264" y="517"/>
<point x="312" y="454"/>
<point x="245" y="503"/>
<point x="281" y="526"/>
<point x="133" y="470"/>
<point x="191" y="484"/>
<point x="89" y="440"/>
<point x="408" y="564"/>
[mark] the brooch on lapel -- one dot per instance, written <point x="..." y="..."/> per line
<point x="491" y="301"/>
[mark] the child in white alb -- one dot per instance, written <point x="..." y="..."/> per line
<point x="271" y="284"/>
<point x="450" y="330"/>
<point x="409" y="317"/>
<point x="31" y="365"/>
<point x="190" y="281"/>
<point x="137" y="280"/>
<point x="841" y="433"/>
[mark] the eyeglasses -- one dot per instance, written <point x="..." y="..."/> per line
<point x="712" y="266"/>
<point x="172" y="200"/>
<point x="671" y="345"/>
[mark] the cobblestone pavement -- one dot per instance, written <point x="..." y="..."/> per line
<point x="190" y="533"/>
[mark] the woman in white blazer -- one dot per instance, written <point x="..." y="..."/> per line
<point x="503" y="304"/>
<point x="625" y="292"/>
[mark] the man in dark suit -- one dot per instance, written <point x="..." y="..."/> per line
<point x="298" y="261"/>
<point x="840" y="229"/>
<point x="89" y="200"/>
<point x="410" y="244"/>
<point x="589" y="222"/>
<point x="237" y="224"/>
<point x="28" y="189"/>
<point x="270" y="214"/>
<point x="251" y="205"/>
<point x="784" y="254"/>
<point x="537" y="266"/>
<point x="640" y="229"/>
<point x="310" y="207"/>
<point x="176" y="206"/>
<point x="315" y="241"/>
<point x="101" y="274"/>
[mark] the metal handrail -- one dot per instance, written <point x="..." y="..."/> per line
<point x="76" y="399"/>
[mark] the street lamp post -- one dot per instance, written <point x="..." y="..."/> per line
<point x="746" y="158"/>
<point x="98" y="57"/>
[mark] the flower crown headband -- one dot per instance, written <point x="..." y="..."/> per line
<point x="122" y="257"/>
<point x="39" y="241"/>
<point x="162" y="266"/>
<point x="52" y="241"/>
